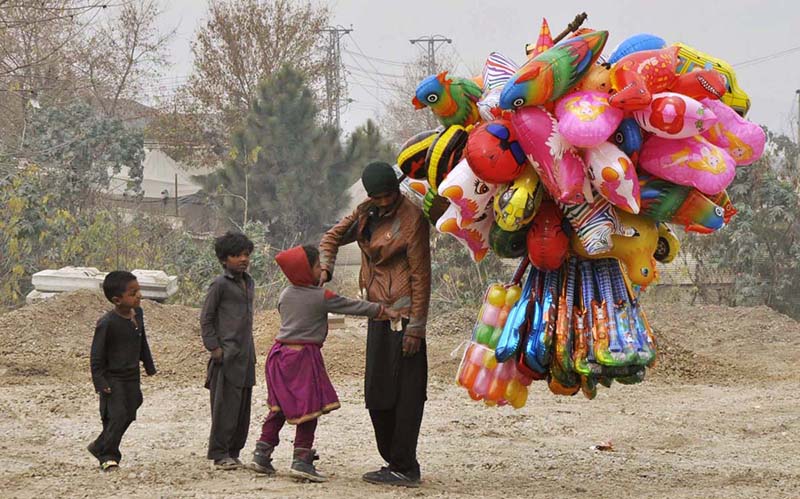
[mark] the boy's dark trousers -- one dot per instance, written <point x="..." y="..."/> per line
<point x="118" y="411"/>
<point x="395" y="392"/>
<point x="230" y="415"/>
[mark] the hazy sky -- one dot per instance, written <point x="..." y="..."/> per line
<point x="760" y="38"/>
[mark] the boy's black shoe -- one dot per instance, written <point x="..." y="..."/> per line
<point x="108" y="466"/>
<point x="385" y="476"/>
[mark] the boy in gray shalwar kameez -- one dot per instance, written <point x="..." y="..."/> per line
<point x="226" y="322"/>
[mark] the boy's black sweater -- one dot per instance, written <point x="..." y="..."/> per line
<point x="117" y="348"/>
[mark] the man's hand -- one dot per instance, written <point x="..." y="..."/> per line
<point x="107" y="390"/>
<point x="324" y="277"/>
<point x="216" y="355"/>
<point x="411" y="345"/>
<point x="150" y="373"/>
<point x="392" y="314"/>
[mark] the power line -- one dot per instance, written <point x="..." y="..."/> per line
<point x="461" y="59"/>
<point x="378" y="59"/>
<point x="368" y="61"/>
<point x="372" y="94"/>
<point x="360" y="69"/>
<point x="765" y="58"/>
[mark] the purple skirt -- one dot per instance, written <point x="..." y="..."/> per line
<point x="298" y="384"/>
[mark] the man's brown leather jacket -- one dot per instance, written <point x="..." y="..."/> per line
<point x="395" y="257"/>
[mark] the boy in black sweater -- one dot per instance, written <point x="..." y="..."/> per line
<point x="118" y="346"/>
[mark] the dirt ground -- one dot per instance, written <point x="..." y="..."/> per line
<point x="717" y="418"/>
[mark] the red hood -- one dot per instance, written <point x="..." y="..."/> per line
<point x="294" y="264"/>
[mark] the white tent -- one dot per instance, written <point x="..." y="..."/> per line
<point x="159" y="175"/>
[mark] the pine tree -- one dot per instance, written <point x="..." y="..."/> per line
<point x="285" y="168"/>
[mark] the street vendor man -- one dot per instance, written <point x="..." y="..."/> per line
<point x="395" y="271"/>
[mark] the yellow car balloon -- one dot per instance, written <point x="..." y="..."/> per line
<point x="690" y="58"/>
<point x="518" y="202"/>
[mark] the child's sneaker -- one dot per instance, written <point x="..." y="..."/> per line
<point x="109" y="466"/>
<point x="303" y="465"/>
<point x="262" y="459"/>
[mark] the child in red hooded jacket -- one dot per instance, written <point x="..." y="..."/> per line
<point x="299" y="390"/>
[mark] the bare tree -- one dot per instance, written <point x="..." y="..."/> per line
<point x="35" y="40"/>
<point x="124" y="54"/>
<point x="56" y="52"/>
<point x="245" y="41"/>
<point x="242" y="43"/>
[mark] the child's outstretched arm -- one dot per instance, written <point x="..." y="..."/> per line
<point x="347" y="306"/>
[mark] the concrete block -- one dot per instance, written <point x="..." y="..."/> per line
<point x="67" y="279"/>
<point x="155" y="284"/>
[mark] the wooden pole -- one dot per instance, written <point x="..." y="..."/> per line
<point x="571" y="27"/>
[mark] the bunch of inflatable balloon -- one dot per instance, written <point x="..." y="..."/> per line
<point x="579" y="163"/>
<point x="574" y="327"/>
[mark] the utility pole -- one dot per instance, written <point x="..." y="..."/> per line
<point x="333" y="74"/>
<point x="434" y="42"/>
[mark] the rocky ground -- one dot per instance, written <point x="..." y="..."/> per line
<point x="717" y="417"/>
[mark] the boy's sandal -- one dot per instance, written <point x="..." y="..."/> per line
<point x="109" y="466"/>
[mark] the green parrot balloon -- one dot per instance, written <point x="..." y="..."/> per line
<point x="452" y="100"/>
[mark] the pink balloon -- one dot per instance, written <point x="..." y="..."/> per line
<point x="613" y="174"/>
<point x="482" y="380"/>
<point x="694" y="162"/>
<point x="675" y="116"/>
<point x="476" y="353"/>
<point x="742" y="139"/>
<point x="560" y="169"/>
<point x="490" y="315"/>
<point x="585" y="118"/>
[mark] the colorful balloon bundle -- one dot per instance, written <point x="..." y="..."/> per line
<point x="577" y="164"/>
<point x="574" y="327"/>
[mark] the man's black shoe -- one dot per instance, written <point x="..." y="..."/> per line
<point x="385" y="476"/>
